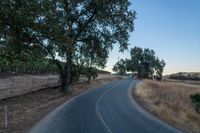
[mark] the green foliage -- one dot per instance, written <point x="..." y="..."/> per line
<point x="40" y="65"/>
<point x="17" y="22"/>
<point x="143" y="62"/>
<point x="91" y="72"/>
<point x="120" y="67"/>
<point x="195" y="98"/>
<point x="80" y="32"/>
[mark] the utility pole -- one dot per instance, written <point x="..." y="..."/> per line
<point x="118" y="70"/>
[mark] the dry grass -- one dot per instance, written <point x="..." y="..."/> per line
<point x="170" y="102"/>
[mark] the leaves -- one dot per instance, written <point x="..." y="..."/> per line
<point x="120" y="67"/>
<point x="80" y="32"/>
<point x="143" y="62"/>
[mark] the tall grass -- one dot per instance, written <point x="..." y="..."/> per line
<point x="170" y="102"/>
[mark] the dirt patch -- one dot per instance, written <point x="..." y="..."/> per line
<point x="26" y="110"/>
<point x="170" y="102"/>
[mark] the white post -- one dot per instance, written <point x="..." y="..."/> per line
<point x="6" y="116"/>
<point x="118" y="70"/>
<point x="12" y="86"/>
<point x="33" y="82"/>
<point x="48" y="81"/>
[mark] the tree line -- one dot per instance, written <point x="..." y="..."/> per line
<point x="78" y="32"/>
<point x="143" y="63"/>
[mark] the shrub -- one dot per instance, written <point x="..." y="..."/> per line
<point x="195" y="98"/>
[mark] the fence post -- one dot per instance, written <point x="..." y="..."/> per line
<point x="6" y="116"/>
<point x="33" y="84"/>
<point x="12" y="86"/>
<point x="48" y="81"/>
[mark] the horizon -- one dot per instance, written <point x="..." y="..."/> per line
<point x="169" y="28"/>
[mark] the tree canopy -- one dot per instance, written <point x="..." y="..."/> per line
<point x="144" y="62"/>
<point x="120" y="67"/>
<point x="81" y="32"/>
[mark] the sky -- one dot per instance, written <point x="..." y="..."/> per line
<point x="171" y="28"/>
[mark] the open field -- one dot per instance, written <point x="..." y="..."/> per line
<point x="26" y="110"/>
<point x="170" y="101"/>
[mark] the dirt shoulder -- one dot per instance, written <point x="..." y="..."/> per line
<point x="26" y="110"/>
<point x="170" y="102"/>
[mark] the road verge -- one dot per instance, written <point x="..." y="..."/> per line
<point x="170" y="102"/>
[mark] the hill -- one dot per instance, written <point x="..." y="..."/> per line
<point x="185" y="76"/>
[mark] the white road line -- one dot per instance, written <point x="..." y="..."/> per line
<point x="97" y="109"/>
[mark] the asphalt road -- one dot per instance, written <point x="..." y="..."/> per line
<point x="107" y="109"/>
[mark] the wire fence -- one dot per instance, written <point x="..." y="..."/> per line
<point x="22" y="84"/>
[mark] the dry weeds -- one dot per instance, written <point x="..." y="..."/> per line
<point x="170" y="102"/>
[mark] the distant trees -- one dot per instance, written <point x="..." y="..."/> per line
<point x="185" y="76"/>
<point x="143" y="62"/>
<point x="120" y="67"/>
<point x="81" y="33"/>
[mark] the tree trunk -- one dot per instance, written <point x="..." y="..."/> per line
<point x="139" y="74"/>
<point x="63" y="83"/>
<point x="66" y="75"/>
<point x="89" y="78"/>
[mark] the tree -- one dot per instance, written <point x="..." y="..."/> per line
<point x="144" y="62"/>
<point x="159" y="67"/>
<point x="135" y="65"/>
<point x="17" y="21"/>
<point x="120" y="67"/>
<point x="62" y="28"/>
<point x="69" y="24"/>
<point x="94" y="54"/>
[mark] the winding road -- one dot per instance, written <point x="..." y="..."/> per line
<point x="107" y="109"/>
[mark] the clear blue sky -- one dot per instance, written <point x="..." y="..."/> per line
<point x="171" y="28"/>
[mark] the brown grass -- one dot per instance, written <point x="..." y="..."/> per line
<point x="170" y="102"/>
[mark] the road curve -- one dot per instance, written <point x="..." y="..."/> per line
<point x="107" y="109"/>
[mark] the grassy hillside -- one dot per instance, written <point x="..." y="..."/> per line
<point x="185" y="76"/>
<point x="170" y="102"/>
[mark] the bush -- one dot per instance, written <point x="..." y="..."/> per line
<point x="195" y="98"/>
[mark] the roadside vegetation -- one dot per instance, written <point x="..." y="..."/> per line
<point x="176" y="103"/>
<point x="195" y="98"/>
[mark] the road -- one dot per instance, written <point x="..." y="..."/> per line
<point x="107" y="109"/>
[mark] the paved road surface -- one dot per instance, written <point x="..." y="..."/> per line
<point x="108" y="109"/>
